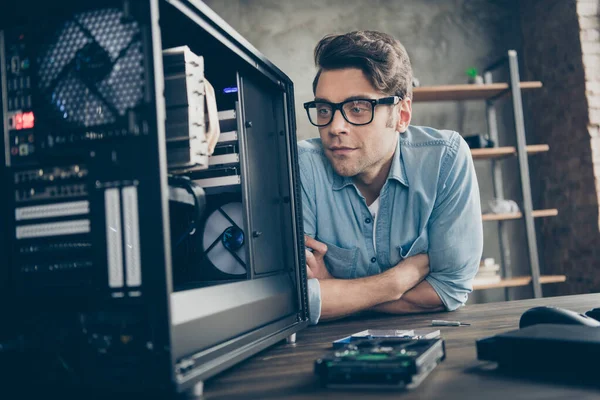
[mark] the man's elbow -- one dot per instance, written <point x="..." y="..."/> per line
<point x="424" y="297"/>
<point x="455" y="301"/>
<point x="431" y="305"/>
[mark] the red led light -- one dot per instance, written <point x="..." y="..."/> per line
<point x="23" y="120"/>
<point x="18" y="121"/>
<point x="28" y="120"/>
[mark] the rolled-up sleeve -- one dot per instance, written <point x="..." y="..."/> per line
<point x="309" y="222"/>
<point x="314" y="301"/>
<point x="455" y="227"/>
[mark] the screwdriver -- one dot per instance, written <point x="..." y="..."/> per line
<point x="440" y="322"/>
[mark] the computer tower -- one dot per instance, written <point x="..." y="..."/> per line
<point x="114" y="277"/>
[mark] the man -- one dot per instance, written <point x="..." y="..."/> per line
<point x="391" y="211"/>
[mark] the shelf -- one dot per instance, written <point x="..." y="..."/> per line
<point x="466" y="92"/>
<point x="552" y="212"/>
<point x="520" y="281"/>
<point x="502" y="152"/>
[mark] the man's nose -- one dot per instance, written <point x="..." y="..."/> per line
<point x="338" y="125"/>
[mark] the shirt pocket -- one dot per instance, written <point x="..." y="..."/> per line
<point x="418" y="246"/>
<point x="340" y="262"/>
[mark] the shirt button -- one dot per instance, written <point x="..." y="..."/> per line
<point x="373" y="259"/>
<point x="368" y="220"/>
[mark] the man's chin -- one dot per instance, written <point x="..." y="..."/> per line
<point x="344" y="170"/>
<point x="342" y="166"/>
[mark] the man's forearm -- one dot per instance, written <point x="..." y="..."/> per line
<point x="340" y="297"/>
<point x="421" y="298"/>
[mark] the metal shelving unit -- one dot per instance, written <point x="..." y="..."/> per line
<point x="491" y="92"/>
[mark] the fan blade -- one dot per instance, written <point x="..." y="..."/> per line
<point x="213" y="244"/>
<point x="85" y="30"/>
<point x="124" y="50"/>
<point x="61" y="75"/>
<point x="229" y="219"/>
<point x="234" y="254"/>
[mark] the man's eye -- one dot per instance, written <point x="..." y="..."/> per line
<point x="323" y="111"/>
<point x="358" y="110"/>
<point x="358" y="107"/>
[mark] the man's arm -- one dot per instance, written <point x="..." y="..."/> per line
<point x="455" y="240"/>
<point x="455" y="228"/>
<point x="421" y="298"/>
<point x="341" y="297"/>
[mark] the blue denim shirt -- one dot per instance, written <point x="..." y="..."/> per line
<point x="428" y="204"/>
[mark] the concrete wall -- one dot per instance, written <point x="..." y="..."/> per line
<point x="443" y="39"/>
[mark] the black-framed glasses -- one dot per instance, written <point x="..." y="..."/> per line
<point x="355" y="111"/>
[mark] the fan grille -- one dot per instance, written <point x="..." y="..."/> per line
<point x="92" y="70"/>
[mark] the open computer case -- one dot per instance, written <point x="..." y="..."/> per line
<point x="134" y="259"/>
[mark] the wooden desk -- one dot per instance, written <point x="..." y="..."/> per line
<point x="286" y="371"/>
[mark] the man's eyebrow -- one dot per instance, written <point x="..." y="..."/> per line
<point x="357" y="97"/>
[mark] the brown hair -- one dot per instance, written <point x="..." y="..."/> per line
<point x="382" y="58"/>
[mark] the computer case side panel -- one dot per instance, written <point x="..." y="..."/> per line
<point x="271" y="200"/>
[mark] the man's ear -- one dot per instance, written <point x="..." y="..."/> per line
<point x="404" y="115"/>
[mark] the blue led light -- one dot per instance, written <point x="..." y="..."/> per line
<point x="228" y="90"/>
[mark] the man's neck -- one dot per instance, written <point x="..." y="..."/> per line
<point x="370" y="182"/>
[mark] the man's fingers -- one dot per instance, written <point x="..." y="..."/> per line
<point x="310" y="258"/>
<point x="317" y="246"/>
<point x="309" y="272"/>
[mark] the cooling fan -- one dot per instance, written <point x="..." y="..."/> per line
<point x="91" y="71"/>
<point x="224" y="239"/>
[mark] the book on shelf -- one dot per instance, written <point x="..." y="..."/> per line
<point x="493" y="269"/>
<point x="488" y="272"/>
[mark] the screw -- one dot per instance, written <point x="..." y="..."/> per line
<point x="248" y="124"/>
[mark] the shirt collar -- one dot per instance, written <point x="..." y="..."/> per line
<point x="397" y="172"/>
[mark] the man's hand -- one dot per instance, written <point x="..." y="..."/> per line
<point x="315" y="265"/>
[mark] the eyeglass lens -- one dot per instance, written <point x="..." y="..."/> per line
<point x="354" y="111"/>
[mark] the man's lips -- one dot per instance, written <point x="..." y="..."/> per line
<point x="341" y="150"/>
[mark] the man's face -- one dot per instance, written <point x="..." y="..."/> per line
<point x="357" y="150"/>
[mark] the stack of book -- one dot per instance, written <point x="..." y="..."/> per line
<point x="489" y="272"/>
